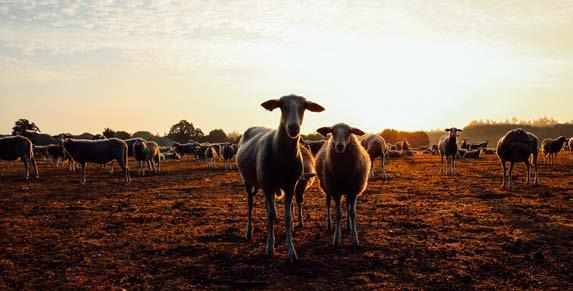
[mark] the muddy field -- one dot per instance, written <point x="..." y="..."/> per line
<point x="184" y="229"/>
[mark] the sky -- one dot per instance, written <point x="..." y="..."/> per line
<point x="81" y="66"/>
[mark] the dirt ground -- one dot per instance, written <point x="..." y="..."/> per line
<point x="185" y="228"/>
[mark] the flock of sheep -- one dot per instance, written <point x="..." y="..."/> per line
<point x="283" y="166"/>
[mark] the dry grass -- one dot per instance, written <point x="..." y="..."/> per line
<point x="184" y="229"/>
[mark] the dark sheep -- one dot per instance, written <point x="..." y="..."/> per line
<point x="517" y="146"/>
<point x="375" y="146"/>
<point x="184" y="148"/>
<point x="551" y="147"/>
<point x="98" y="152"/>
<point x="147" y="152"/>
<point x="228" y="152"/>
<point x="473" y="154"/>
<point x="13" y="148"/>
<point x="130" y="142"/>
<point x="271" y="159"/>
<point x="342" y="167"/>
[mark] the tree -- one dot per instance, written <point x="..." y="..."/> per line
<point x="182" y="131"/>
<point x="108" y="132"/>
<point x="122" y="134"/>
<point x="390" y="135"/>
<point x="234" y="137"/>
<point x="22" y="126"/>
<point x="142" y="134"/>
<point x="217" y="135"/>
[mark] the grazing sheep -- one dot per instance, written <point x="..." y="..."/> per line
<point x="405" y="149"/>
<point x="271" y="159"/>
<point x="342" y="167"/>
<point x="228" y="152"/>
<point x="147" y="152"/>
<point x="448" y="147"/>
<point x="550" y="148"/>
<point x="516" y="146"/>
<point x="394" y="154"/>
<point x="473" y="154"/>
<point x="314" y="145"/>
<point x="13" y="148"/>
<point x="375" y="146"/>
<point x="570" y="146"/>
<point x="170" y="156"/>
<point x="98" y="152"/>
<point x="305" y="181"/>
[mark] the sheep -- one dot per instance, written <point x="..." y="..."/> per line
<point x="473" y="154"/>
<point x="184" y="148"/>
<point x="461" y="153"/>
<point x="98" y="137"/>
<point x="448" y="147"/>
<point x="342" y="167"/>
<point x="56" y="153"/>
<point x="405" y="149"/>
<point x="305" y="181"/>
<point x="210" y="154"/>
<point x="570" y="145"/>
<point x="487" y="151"/>
<point x="18" y="147"/>
<point x="130" y="142"/>
<point x="98" y="152"/>
<point x="165" y="149"/>
<point x="464" y="144"/>
<point x="550" y="148"/>
<point x="517" y="146"/>
<point x="40" y="151"/>
<point x="200" y="152"/>
<point x="393" y="147"/>
<point x="314" y="145"/>
<point x="271" y="159"/>
<point x="228" y="153"/>
<point x="394" y="154"/>
<point x="375" y="146"/>
<point x="148" y="152"/>
<point x="170" y="156"/>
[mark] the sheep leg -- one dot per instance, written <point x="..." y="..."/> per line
<point x="33" y="161"/>
<point x="111" y="167"/>
<point x="123" y="165"/>
<point x="535" y="166"/>
<point x="271" y="216"/>
<point x="299" y="202"/>
<point x="504" y="170"/>
<point x="354" y="232"/>
<point x="510" y="174"/>
<point x="26" y="163"/>
<point x="453" y="165"/>
<point x="328" y="219"/>
<point x="528" y="170"/>
<point x="336" y="241"/>
<point x="383" y="160"/>
<point x="292" y="257"/>
<point x="372" y="169"/>
<point x="158" y="164"/>
<point x="251" y="191"/>
<point x="348" y="218"/>
<point x="83" y="175"/>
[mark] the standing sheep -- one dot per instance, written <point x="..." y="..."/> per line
<point x="228" y="152"/>
<point x="517" y="146"/>
<point x="98" y="152"/>
<point x="342" y="166"/>
<point x="405" y="150"/>
<point x="147" y="152"/>
<point x="551" y="147"/>
<point x="210" y="154"/>
<point x="375" y="146"/>
<point x="271" y="159"/>
<point x="18" y="147"/>
<point x="448" y="147"/>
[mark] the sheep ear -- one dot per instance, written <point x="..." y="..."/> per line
<point x="271" y="104"/>
<point x="357" y="131"/>
<point x="459" y="130"/>
<point x="314" y="107"/>
<point x="324" y="130"/>
<point x="448" y="129"/>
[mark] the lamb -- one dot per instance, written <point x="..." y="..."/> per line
<point x="448" y="147"/>
<point x="305" y="181"/>
<point x="314" y="145"/>
<point x="342" y="167"/>
<point x="550" y="148"/>
<point x="18" y="147"/>
<point x="98" y="152"/>
<point x="375" y="146"/>
<point x="147" y="152"/>
<point x="271" y="160"/>
<point x="228" y="152"/>
<point x="517" y="146"/>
